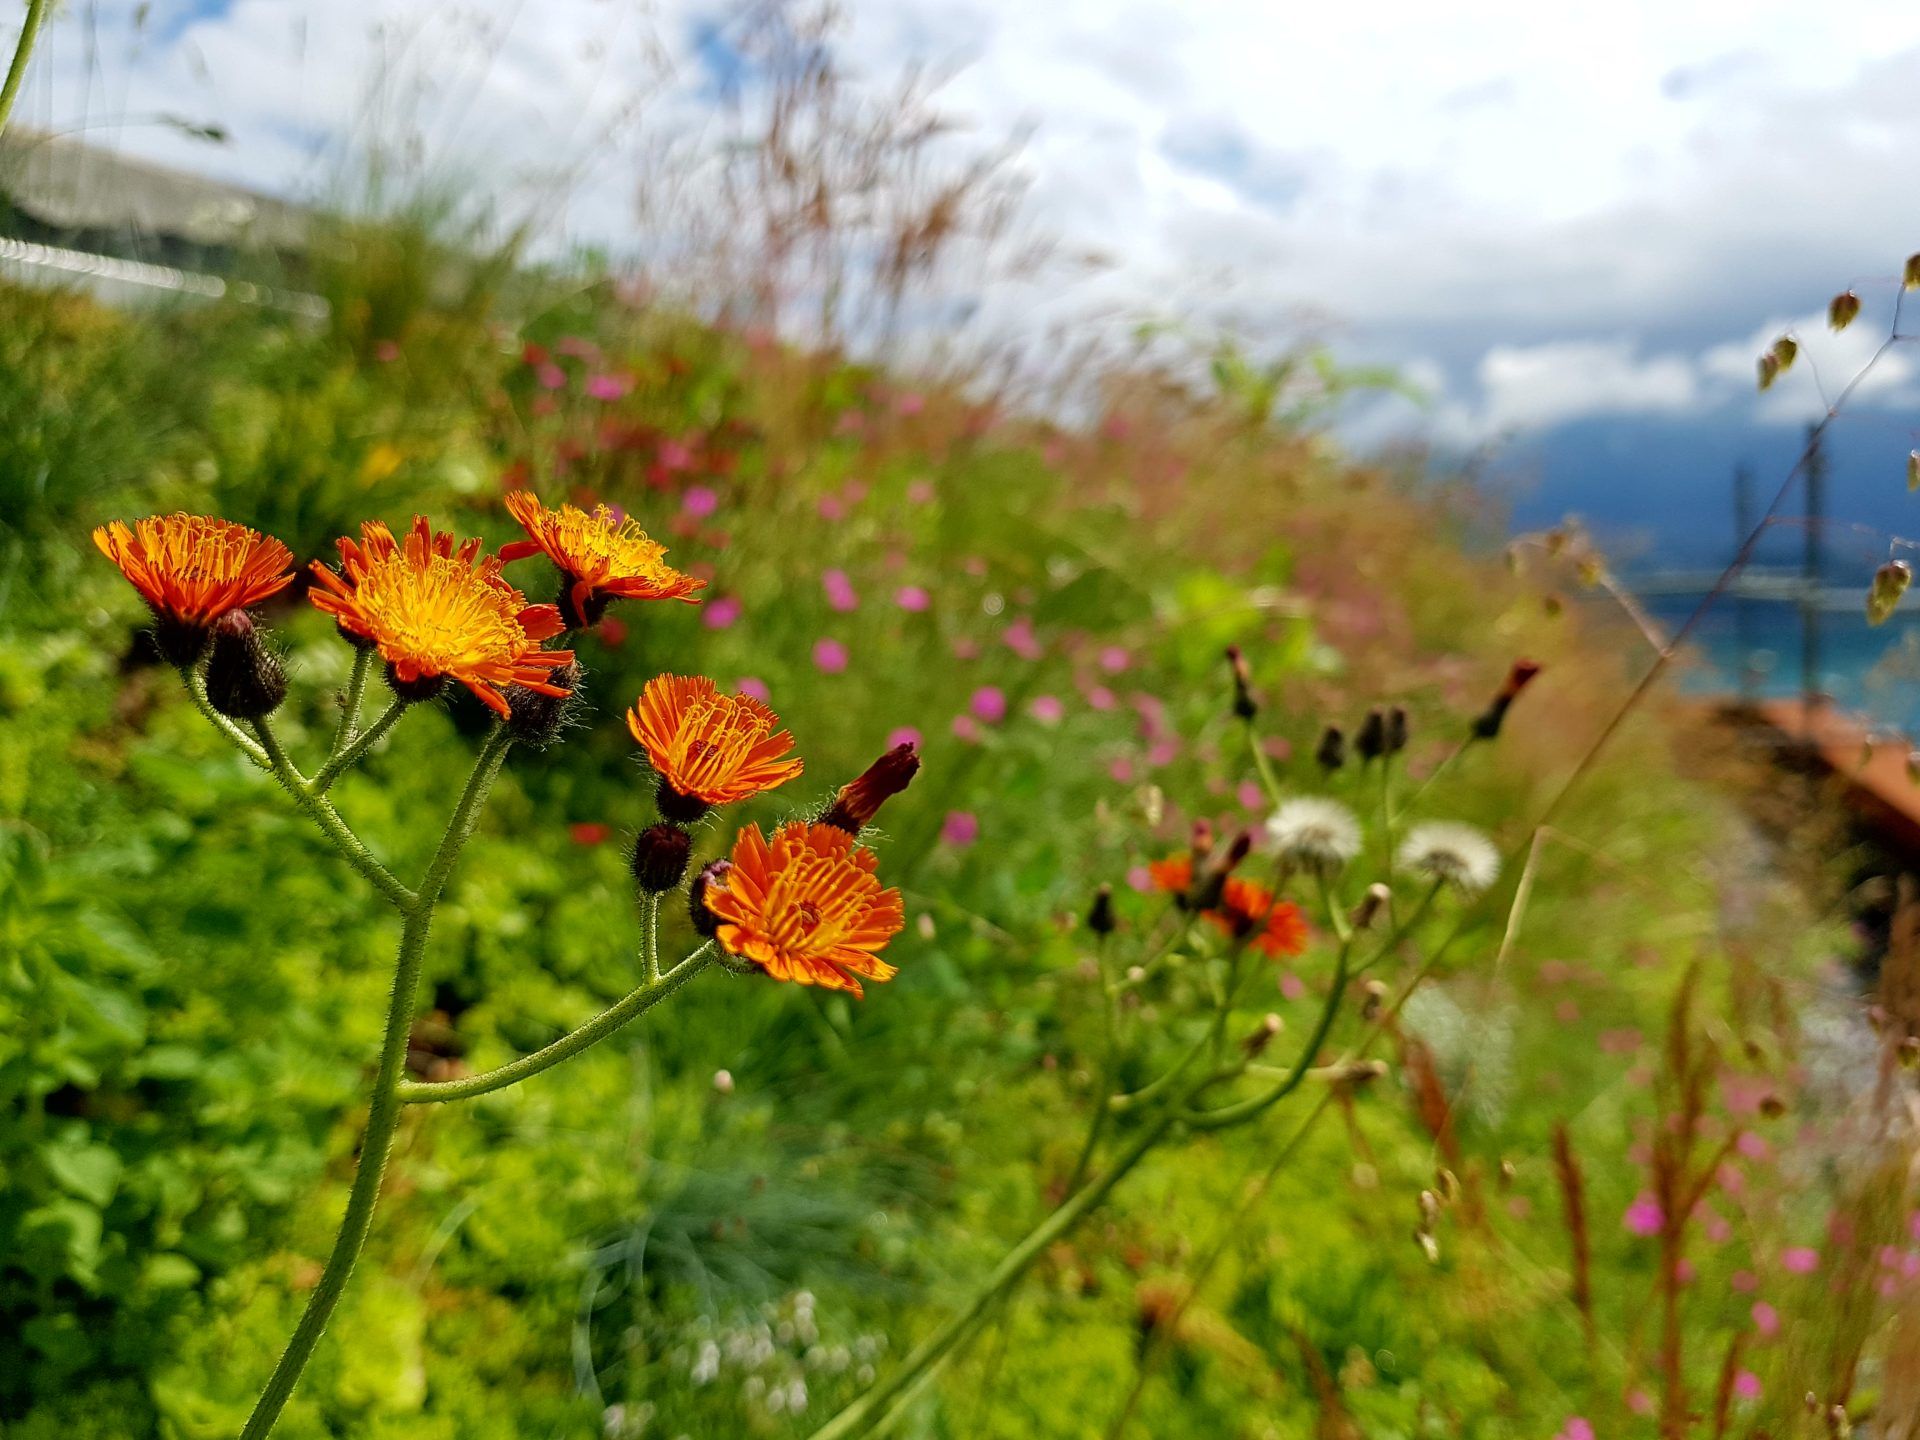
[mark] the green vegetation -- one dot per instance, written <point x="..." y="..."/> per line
<point x="641" y="1245"/>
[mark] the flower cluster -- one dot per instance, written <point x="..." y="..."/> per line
<point x="803" y="904"/>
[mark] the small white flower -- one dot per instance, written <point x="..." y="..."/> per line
<point x="1314" y="834"/>
<point x="1457" y="855"/>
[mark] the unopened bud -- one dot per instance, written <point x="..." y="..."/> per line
<point x="1429" y="1209"/>
<point x="723" y="1082"/>
<point x="1263" y="1035"/>
<point x="1332" y="753"/>
<point x="1372" y="906"/>
<point x="1785" y="351"/>
<point x="1487" y="725"/>
<point x="860" y="800"/>
<point x="1508" y="1174"/>
<point x="1245" y="707"/>
<point x="1910" y="277"/>
<point x="1371" y="742"/>
<point x="1890" y="582"/>
<point x="1397" y="728"/>
<point x="660" y="858"/>
<point x="245" y="680"/>
<point x="1448" y="1184"/>
<point x="705" y="922"/>
<point x="1100" y="916"/>
<point x="535" y="718"/>
<point x="1373" y="999"/>
<point x="1844" y="310"/>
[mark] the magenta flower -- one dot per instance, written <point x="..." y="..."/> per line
<point x="830" y="655"/>
<point x="904" y="735"/>
<point x="1576" y="1428"/>
<point x="840" y="591"/>
<point x="1799" y="1260"/>
<point x="673" y="455"/>
<point x="1101" y="698"/>
<point x="1766" y="1319"/>
<point x="1140" y="878"/>
<point x="608" y="387"/>
<point x="1114" y="659"/>
<point x="1020" y="639"/>
<point x="921" y="492"/>
<point x="912" y="597"/>
<point x="753" y="687"/>
<point x="966" y="730"/>
<point x="960" y="829"/>
<point x="1644" y="1216"/>
<point x="1747" y="1385"/>
<point x="699" y="502"/>
<point x="910" y="404"/>
<point x="1251" y="796"/>
<point x="1047" y="709"/>
<point x="1292" y="987"/>
<point x="551" y="376"/>
<point x="721" y="613"/>
<point x="832" y="508"/>
<point x="989" y="703"/>
<point x="1121" y="769"/>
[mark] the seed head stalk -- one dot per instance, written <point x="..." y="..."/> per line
<point x="22" y="52"/>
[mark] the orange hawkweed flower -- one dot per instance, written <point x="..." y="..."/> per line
<point x="1173" y="874"/>
<point x="191" y="570"/>
<point x="603" y="556"/>
<point x="807" y="907"/>
<point x="437" y="614"/>
<point x="1275" y="928"/>
<point x="708" y="748"/>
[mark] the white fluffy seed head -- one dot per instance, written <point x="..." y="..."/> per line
<point x="1314" y="834"/>
<point x="1456" y="854"/>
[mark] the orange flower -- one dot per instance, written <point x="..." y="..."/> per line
<point x="436" y="614"/>
<point x="192" y="569"/>
<point x="806" y="908"/>
<point x="603" y="556"/>
<point x="1275" y="928"/>
<point x="708" y="748"/>
<point x="1173" y="874"/>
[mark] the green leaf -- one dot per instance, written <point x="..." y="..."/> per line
<point x="89" y="1171"/>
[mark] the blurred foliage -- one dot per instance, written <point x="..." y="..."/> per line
<point x="192" y="984"/>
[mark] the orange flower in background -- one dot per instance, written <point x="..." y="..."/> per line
<point x="603" y="556"/>
<point x="1275" y="928"/>
<point x="807" y="907"/>
<point x="437" y="614"/>
<point x="708" y="748"/>
<point x="192" y="569"/>
<point x="1173" y="874"/>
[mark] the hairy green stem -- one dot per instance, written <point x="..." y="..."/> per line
<point x="350" y="754"/>
<point x="349" y="722"/>
<point x="637" y="1002"/>
<point x="383" y="1113"/>
<point x="22" y="52"/>
<point x="322" y="813"/>
<point x="196" y="684"/>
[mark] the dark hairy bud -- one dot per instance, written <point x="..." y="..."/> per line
<point x="537" y="719"/>
<point x="1100" y="916"/>
<point x="180" y="644"/>
<point x="1397" y="728"/>
<point x="245" y="680"/>
<point x="1371" y="742"/>
<point x="660" y="857"/>
<point x="705" y="922"/>
<point x="860" y="800"/>
<point x="1245" y="707"/>
<point x="680" y="809"/>
<point x="1332" y="753"/>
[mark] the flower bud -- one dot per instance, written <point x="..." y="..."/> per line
<point x="1100" y="917"/>
<point x="1245" y="707"/>
<point x="1262" y="1035"/>
<point x="1890" y="582"/>
<point x="723" y="1082"/>
<point x="705" y="922"/>
<point x="1844" y="310"/>
<point x="1488" y="723"/>
<point x="1397" y="728"/>
<point x="860" y="800"/>
<point x="660" y="858"/>
<point x="245" y="680"/>
<point x="1332" y="753"/>
<point x="1910" y="277"/>
<point x="1372" y="906"/>
<point x="1371" y="742"/>
<point x="1785" y="350"/>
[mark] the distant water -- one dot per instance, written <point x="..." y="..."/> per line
<point x="1872" y="670"/>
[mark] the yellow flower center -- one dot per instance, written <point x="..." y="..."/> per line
<point x="598" y="545"/>
<point x="443" y="616"/>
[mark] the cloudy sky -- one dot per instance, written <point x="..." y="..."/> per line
<point x="1575" y="227"/>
